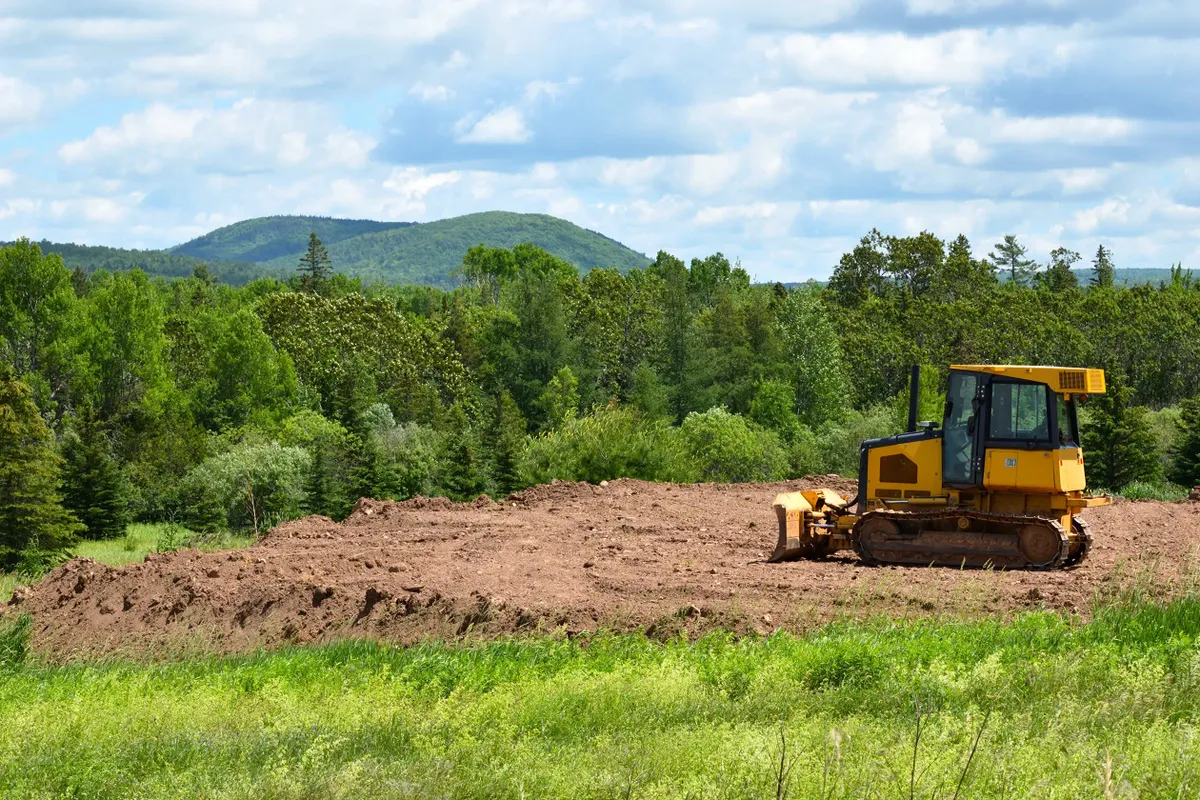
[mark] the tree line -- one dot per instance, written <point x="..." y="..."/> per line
<point x="129" y="398"/>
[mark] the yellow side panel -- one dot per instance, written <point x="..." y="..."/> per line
<point x="1023" y="470"/>
<point x="925" y="454"/>
<point x="1070" y="471"/>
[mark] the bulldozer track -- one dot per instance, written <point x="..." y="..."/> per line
<point x="970" y="548"/>
<point x="1084" y="530"/>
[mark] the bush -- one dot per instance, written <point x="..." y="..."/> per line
<point x="728" y="449"/>
<point x="611" y="442"/>
<point x="837" y="443"/>
<point x="255" y="485"/>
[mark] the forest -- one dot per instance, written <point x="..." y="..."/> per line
<point x="126" y="398"/>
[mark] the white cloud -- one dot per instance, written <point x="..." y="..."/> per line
<point x="20" y="102"/>
<point x="246" y="135"/>
<point x="1079" y="129"/>
<point x="964" y="56"/>
<point x="503" y="126"/>
<point x="431" y="93"/>
<point x="7" y="177"/>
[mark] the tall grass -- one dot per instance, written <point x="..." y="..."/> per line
<point x="139" y="539"/>
<point x="1059" y="708"/>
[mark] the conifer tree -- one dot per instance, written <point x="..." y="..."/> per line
<point x="94" y="489"/>
<point x="508" y="444"/>
<point x="1118" y="442"/>
<point x="463" y="479"/>
<point x="1186" y="454"/>
<point x="314" y="266"/>
<point x="1103" y="272"/>
<point x="35" y="530"/>
<point x="1009" y="256"/>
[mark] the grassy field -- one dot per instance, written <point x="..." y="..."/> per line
<point x="139" y="539"/>
<point x="879" y="709"/>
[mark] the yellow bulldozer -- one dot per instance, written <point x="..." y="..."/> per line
<point x="997" y="484"/>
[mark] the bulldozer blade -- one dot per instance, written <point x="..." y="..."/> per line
<point x="793" y="544"/>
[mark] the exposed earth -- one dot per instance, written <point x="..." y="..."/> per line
<point x="566" y="557"/>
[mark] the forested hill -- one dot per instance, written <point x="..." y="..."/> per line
<point x="266" y="238"/>
<point x="392" y="252"/>
<point x="405" y="252"/>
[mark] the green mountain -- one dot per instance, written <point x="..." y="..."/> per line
<point x="394" y="252"/>
<point x="265" y="238"/>
<point x="427" y="252"/>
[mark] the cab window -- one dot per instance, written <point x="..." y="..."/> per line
<point x="1020" y="412"/>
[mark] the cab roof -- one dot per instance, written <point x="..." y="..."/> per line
<point x="1063" y="380"/>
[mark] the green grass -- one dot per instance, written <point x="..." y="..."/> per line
<point x="1103" y="709"/>
<point x="139" y="539"/>
<point x="1154" y="490"/>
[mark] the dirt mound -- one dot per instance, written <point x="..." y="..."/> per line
<point x="566" y="556"/>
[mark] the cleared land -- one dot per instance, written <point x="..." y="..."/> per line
<point x="574" y="557"/>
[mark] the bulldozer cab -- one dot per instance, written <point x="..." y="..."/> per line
<point x="1014" y="427"/>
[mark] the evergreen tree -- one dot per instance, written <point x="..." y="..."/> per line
<point x="1186" y="454"/>
<point x="1118" y="443"/>
<point x="318" y="491"/>
<point x="1009" y="256"/>
<point x="314" y="267"/>
<point x="1103" y="272"/>
<point x="94" y="489"/>
<point x="508" y="445"/>
<point x="463" y="479"/>
<point x="35" y="530"/>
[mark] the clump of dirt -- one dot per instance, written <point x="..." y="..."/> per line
<point x="1195" y="495"/>
<point x="566" y="557"/>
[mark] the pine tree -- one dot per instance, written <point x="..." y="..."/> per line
<point x="462" y="480"/>
<point x="318" y="494"/>
<point x="1119" y="444"/>
<point x="1009" y="256"/>
<point x="94" y="489"/>
<point x="314" y="266"/>
<point x="35" y="530"/>
<point x="1186" y="454"/>
<point x="508" y="445"/>
<point x="1103" y="272"/>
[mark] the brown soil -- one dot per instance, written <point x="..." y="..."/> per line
<point x="566" y="557"/>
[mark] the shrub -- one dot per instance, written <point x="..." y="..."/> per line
<point x="611" y="442"/>
<point x="837" y="443"/>
<point x="727" y="448"/>
<point x="255" y="485"/>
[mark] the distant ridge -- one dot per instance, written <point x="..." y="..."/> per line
<point x="405" y="252"/>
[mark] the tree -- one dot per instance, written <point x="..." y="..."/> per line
<point x="314" y="267"/>
<point x="1103" y="272"/>
<point x="1186" y="455"/>
<point x="94" y="489"/>
<point x="1059" y="275"/>
<point x="508" y="444"/>
<point x="463" y="471"/>
<point x="811" y="346"/>
<point x="35" y="530"/>
<point x="561" y="398"/>
<point x="860" y="273"/>
<point x="1118" y="442"/>
<point x="1009" y="256"/>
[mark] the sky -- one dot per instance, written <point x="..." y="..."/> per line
<point x="775" y="132"/>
